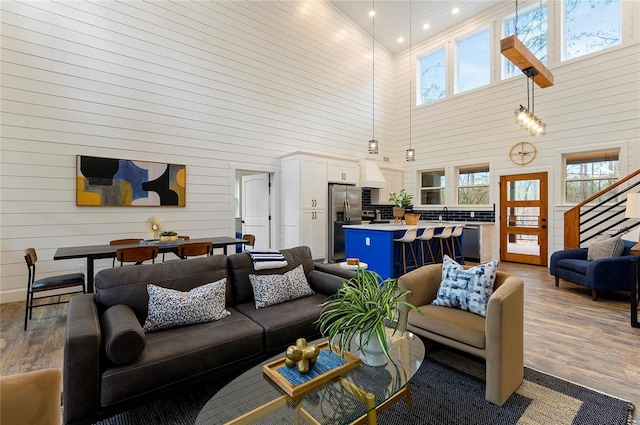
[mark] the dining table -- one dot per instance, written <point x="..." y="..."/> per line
<point x="95" y="252"/>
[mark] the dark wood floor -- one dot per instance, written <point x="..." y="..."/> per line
<point x="566" y="334"/>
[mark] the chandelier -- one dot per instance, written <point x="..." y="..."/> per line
<point x="526" y="117"/>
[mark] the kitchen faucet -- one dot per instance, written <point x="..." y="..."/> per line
<point x="445" y="214"/>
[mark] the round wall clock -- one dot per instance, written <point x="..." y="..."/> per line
<point x="522" y="153"/>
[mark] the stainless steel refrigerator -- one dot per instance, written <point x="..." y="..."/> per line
<point x="345" y="207"/>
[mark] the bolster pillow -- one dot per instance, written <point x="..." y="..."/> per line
<point x="122" y="334"/>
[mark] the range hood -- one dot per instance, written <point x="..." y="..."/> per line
<point x="370" y="175"/>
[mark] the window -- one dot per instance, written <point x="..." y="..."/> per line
<point x="432" y="76"/>
<point x="589" y="26"/>
<point x="432" y="187"/>
<point x="532" y="31"/>
<point x="589" y="173"/>
<point x="473" y="185"/>
<point x="473" y="61"/>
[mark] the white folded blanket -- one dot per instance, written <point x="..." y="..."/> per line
<point x="263" y="260"/>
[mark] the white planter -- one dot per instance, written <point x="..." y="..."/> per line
<point x="371" y="353"/>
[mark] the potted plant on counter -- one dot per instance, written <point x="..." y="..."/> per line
<point x="357" y="315"/>
<point x="401" y="201"/>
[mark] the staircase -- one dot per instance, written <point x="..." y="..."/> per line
<point x="603" y="212"/>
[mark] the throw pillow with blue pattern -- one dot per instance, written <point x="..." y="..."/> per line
<point x="467" y="289"/>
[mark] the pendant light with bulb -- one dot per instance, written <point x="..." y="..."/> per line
<point x="410" y="153"/>
<point x="373" y="143"/>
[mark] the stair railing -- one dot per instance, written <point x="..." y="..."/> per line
<point x="588" y="219"/>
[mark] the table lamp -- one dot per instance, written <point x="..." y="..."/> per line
<point x="633" y="208"/>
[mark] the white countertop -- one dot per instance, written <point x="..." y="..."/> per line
<point x="390" y="227"/>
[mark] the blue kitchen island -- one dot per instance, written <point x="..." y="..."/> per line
<point x="373" y="244"/>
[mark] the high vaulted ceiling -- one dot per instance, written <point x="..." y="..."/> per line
<point x="392" y="17"/>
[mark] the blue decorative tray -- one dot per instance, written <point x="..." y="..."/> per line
<point x="328" y="366"/>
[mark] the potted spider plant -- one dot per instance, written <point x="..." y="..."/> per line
<point x="360" y="311"/>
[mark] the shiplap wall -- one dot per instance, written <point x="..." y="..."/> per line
<point x="594" y="104"/>
<point x="204" y="84"/>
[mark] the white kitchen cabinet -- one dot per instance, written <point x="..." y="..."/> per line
<point x="344" y="172"/>
<point x="393" y="179"/>
<point x="304" y="203"/>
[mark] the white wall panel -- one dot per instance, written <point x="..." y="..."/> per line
<point x="204" y="84"/>
<point x="595" y="102"/>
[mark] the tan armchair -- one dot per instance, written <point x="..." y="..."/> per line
<point x="31" y="398"/>
<point x="498" y="338"/>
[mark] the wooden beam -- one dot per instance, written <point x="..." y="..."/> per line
<point x="520" y="56"/>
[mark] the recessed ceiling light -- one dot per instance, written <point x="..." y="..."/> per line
<point x="455" y="10"/>
<point x="426" y="26"/>
<point x="400" y="39"/>
<point x="372" y="13"/>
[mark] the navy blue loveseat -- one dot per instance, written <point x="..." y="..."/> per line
<point x="607" y="274"/>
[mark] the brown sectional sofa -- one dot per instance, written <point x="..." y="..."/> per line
<point x="94" y="387"/>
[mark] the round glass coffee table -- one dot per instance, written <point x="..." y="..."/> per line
<point x="354" y="397"/>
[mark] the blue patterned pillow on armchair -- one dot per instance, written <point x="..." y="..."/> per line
<point x="466" y="289"/>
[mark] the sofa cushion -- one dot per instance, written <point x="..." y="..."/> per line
<point x="169" y="308"/>
<point x="128" y="285"/>
<point x="241" y="266"/>
<point x="122" y="335"/>
<point x="605" y="248"/>
<point x="277" y="288"/>
<point x="466" y="289"/>
<point x="451" y="323"/>
<point x="178" y="354"/>
<point x="286" y="322"/>
<point x="573" y="264"/>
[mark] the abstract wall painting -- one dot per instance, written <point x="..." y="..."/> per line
<point x="122" y="182"/>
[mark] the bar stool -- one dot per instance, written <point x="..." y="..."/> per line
<point x="408" y="238"/>
<point x="455" y="238"/>
<point x="445" y="237"/>
<point x="425" y="238"/>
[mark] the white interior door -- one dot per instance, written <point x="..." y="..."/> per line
<point x="255" y="209"/>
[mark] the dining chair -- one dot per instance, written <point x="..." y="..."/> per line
<point x="71" y="281"/>
<point x="183" y="237"/>
<point x="126" y="241"/>
<point x="251" y="240"/>
<point x="137" y="254"/>
<point x="193" y="249"/>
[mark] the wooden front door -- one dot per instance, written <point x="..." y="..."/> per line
<point x="523" y="218"/>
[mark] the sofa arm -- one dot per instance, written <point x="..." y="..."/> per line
<point x="610" y="273"/>
<point x="577" y="254"/>
<point x="423" y="284"/>
<point x="325" y="283"/>
<point x="81" y="370"/>
<point x="504" y="333"/>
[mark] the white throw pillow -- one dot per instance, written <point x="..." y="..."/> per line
<point x="270" y="289"/>
<point x="466" y="289"/>
<point x="605" y="248"/>
<point x="169" y="308"/>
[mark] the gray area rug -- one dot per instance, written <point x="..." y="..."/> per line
<point x="447" y="389"/>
